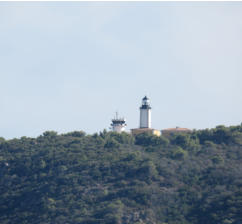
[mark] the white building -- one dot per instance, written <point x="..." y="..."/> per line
<point x="145" y="119"/>
<point x="145" y="113"/>
<point x="118" y="124"/>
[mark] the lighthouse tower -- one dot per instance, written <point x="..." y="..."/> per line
<point x="145" y="120"/>
<point x="118" y="124"/>
<point x="145" y="113"/>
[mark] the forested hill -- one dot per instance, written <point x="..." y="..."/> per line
<point x="111" y="178"/>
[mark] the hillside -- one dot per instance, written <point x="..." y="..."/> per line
<point x="109" y="178"/>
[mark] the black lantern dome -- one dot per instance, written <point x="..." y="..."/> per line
<point x="145" y="103"/>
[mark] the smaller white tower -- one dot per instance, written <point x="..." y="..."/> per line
<point x="145" y="113"/>
<point x="118" y="124"/>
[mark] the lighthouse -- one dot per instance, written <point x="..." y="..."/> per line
<point x="145" y="120"/>
<point x="145" y="113"/>
<point x="118" y="124"/>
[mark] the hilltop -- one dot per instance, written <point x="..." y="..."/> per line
<point x="108" y="178"/>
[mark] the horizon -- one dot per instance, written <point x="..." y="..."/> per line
<point x="70" y="66"/>
<point x="109" y="129"/>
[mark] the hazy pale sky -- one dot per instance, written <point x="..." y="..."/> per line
<point x="68" y="66"/>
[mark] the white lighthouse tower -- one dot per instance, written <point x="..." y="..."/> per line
<point x="118" y="124"/>
<point x="145" y="120"/>
<point x="145" y="113"/>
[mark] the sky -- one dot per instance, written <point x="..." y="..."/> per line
<point x="67" y="66"/>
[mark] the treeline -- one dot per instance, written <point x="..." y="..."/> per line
<point x="110" y="178"/>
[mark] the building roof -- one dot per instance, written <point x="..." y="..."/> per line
<point x="136" y="131"/>
<point x="176" y="129"/>
<point x="118" y="121"/>
<point x="142" y="129"/>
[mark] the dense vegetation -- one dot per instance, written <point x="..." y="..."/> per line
<point x="111" y="178"/>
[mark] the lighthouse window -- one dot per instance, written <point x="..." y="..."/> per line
<point x="145" y="102"/>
